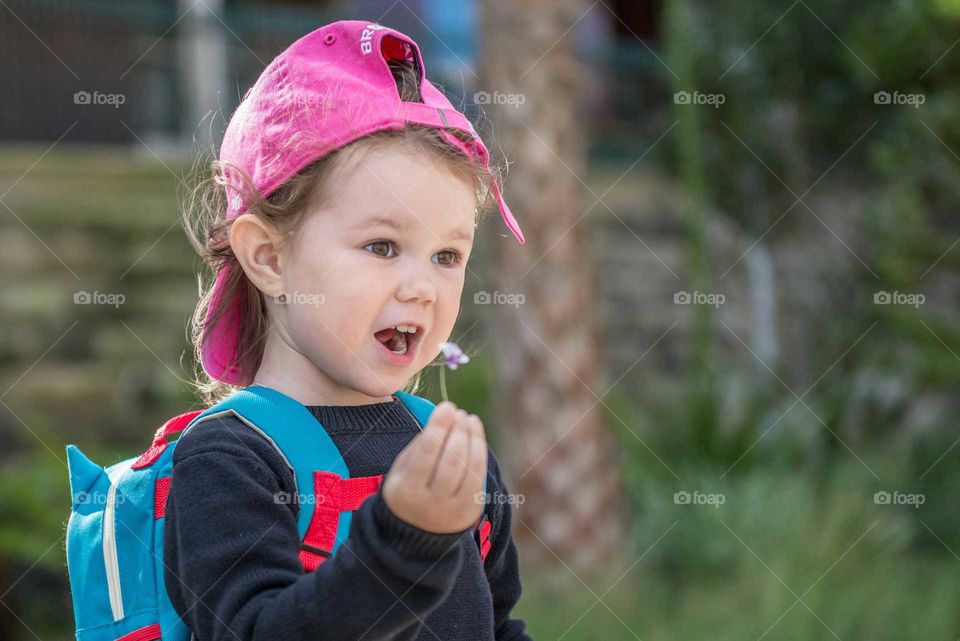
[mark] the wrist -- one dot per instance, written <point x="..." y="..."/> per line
<point x="408" y="538"/>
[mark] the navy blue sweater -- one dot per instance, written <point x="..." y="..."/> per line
<point x="231" y="550"/>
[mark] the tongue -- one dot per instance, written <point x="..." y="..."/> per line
<point x="386" y="335"/>
<point x="398" y="344"/>
<point x="395" y="340"/>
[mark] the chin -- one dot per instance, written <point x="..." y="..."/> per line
<point x="380" y="391"/>
<point x="378" y="388"/>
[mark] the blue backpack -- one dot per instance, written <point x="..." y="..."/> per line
<point x="115" y="530"/>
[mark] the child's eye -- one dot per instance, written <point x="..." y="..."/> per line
<point x="450" y="257"/>
<point x="380" y="245"/>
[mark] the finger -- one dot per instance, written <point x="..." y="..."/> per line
<point x="478" y="461"/>
<point x="438" y="426"/>
<point x="452" y="428"/>
<point x="428" y="444"/>
<point x="471" y="439"/>
<point x="438" y="462"/>
<point x="453" y="458"/>
<point x="444" y="411"/>
<point x="443" y="414"/>
<point x="476" y="466"/>
<point x="477" y="425"/>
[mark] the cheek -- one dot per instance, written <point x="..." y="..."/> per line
<point x="329" y="335"/>
<point x="308" y="287"/>
<point x="449" y="296"/>
<point x="325" y="274"/>
<point x="339" y="323"/>
<point x="447" y="309"/>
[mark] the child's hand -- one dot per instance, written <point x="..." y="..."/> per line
<point x="435" y="481"/>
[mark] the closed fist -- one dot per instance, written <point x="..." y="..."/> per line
<point x="434" y="482"/>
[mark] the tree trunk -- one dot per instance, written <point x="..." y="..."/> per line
<point x="561" y="458"/>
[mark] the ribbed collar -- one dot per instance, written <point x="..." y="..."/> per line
<point x="376" y="418"/>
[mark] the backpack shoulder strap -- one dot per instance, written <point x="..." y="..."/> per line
<point x="291" y="429"/>
<point x="420" y="407"/>
<point x="300" y="439"/>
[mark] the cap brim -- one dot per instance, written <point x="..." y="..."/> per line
<point x="508" y="217"/>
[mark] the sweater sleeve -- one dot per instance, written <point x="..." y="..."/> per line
<point x="502" y="565"/>
<point x="232" y="556"/>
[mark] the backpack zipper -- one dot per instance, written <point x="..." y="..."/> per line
<point x="110" y="561"/>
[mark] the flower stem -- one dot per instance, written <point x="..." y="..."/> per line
<point x="443" y="384"/>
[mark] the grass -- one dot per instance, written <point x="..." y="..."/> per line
<point x="786" y="557"/>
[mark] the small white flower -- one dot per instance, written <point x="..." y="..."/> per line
<point x="453" y="355"/>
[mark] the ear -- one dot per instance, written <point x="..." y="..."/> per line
<point x="258" y="248"/>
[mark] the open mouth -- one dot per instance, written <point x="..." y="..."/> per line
<point x="400" y="339"/>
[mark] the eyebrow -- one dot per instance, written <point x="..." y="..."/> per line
<point x="385" y="221"/>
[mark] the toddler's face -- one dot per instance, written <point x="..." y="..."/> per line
<point x="388" y="248"/>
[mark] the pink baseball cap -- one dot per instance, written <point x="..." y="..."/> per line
<point x="327" y="89"/>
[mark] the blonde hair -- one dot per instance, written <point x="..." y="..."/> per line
<point x="205" y="220"/>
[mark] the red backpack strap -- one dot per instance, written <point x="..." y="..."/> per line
<point x="483" y="529"/>
<point x="332" y="495"/>
<point x="160" y="438"/>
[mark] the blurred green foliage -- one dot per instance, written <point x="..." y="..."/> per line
<point x="798" y="480"/>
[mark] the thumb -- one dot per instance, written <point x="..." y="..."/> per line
<point x="443" y="414"/>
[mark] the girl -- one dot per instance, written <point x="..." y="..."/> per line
<point x="339" y="222"/>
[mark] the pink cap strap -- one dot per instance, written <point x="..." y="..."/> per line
<point x="438" y="117"/>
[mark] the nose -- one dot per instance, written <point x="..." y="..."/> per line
<point x="417" y="285"/>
